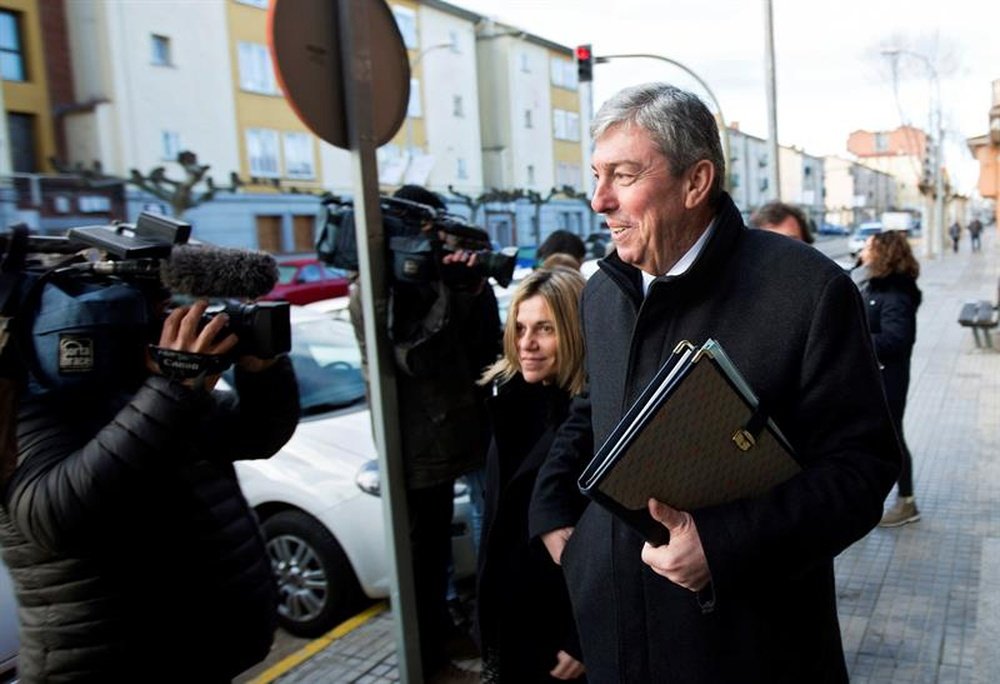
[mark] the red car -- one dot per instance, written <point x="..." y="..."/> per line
<point x="302" y="281"/>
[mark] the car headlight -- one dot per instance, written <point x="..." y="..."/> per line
<point x="368" y="479"/>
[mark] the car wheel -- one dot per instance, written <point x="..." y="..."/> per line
<point x="317" y="588"/>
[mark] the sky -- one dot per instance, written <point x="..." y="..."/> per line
<point x="831" y="77"/>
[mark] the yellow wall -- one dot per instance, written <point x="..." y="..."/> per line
<point x="565" y="151"/>
<point x="413" y="129"/>
<point x="253" y="110"/>
<point x="32" y="96"/>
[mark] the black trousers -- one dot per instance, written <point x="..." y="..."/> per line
<point x="431" y="510"/>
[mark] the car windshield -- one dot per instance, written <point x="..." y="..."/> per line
<point x="327" y="364"/>
<point x="869" y="230"/>
<point x="286" y="273"/>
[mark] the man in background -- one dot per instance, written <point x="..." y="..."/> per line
<point x="785" y="219"/>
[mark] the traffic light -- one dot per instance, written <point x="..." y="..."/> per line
<point x="584" y="63"/>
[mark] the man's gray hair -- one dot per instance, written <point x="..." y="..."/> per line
<point x="677" y="121"/>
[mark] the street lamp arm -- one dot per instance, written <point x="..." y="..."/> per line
<point x="718" y="108"/>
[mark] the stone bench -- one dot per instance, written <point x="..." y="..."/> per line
<point x="982" y="316"/>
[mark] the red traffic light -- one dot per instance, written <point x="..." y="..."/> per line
<point x="583" y="52"/>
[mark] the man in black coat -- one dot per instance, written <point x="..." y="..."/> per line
<point x="744" y="591"/>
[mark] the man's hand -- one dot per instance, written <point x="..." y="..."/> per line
<point x="682" y="561"/>
<point x="555" y="542"/>
<point x="567" y="667"/>
<point x="180" y="333"/>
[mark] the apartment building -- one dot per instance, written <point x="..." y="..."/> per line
<point x="749" y="174"/>
<point x="492" y="108"/>
<point x="532" y="130"/>
<point x="801" y="177"/>
<point x="901" y="153"/>
<point x="855" y="192"/>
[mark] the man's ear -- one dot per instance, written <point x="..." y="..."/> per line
<point x="698" y="183"/>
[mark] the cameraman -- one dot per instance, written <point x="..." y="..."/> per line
<point x="443" y="333"/>
<point x="134" y="555"/>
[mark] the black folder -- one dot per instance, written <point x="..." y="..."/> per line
<point x="697" y="436"/>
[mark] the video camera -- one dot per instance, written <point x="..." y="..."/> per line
<point x="417" y="236"/>
<point x="81" y="305"/>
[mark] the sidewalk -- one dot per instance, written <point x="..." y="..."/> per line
<point x="920" y="603"/>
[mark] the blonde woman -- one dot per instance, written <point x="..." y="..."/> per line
<point x="524" y="618"/>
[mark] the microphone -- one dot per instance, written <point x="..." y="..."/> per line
<point x="209" y="271"/>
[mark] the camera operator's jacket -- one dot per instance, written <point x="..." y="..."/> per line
<point x="134" y="555"/>
<point x="793" y="323"/>
<point x="443" y="338"/>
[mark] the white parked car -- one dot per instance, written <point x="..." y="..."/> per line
<point x="318" y="498"/>
<point x="856" y="242"/>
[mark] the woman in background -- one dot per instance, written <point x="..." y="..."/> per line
<point x="524" y="617"/>
<point x="889" y="286"/>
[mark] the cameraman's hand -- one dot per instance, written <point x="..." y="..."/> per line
<point x="180" y="333"/>
<point x="469" y="259"/>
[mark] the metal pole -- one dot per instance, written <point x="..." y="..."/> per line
<point x="772" y="106"/>
<point x="718" y="108"/>
<point x="358" y="79"/>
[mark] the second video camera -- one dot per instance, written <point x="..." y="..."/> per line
<point x="417" y="237"/>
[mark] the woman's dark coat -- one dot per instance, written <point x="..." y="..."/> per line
<point x="892" y="303"/>
<point x="523" y="605"/>
<point x="134" y="555"/>
<point x="793" y="322"/>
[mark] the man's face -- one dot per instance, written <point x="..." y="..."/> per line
<point x="642" y="202"/>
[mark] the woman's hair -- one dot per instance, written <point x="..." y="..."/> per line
<point x="677" y="121"/>
<point x="560" y="288"/>
<point x="561" y="260"/>
<point x="890" y="253"/>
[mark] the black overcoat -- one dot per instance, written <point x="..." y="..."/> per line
<point x="793" y="322"/>
<point x="892" y="302"/>
<point x="523" y="604"/>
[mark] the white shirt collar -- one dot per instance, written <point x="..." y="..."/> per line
<point x="684" y="263"/>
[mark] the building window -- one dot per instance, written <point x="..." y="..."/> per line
<point x="11" y="55"/>
<point x="299" y="156"/>
<point x="171" y="145"/>
<point x="254" y="3"/>
<point x="413" y="109"/>
<point x="256" y="73"/>
<point x="563" y="73"/>
<point x="406" y="20"/>
<point x="569" y="174"/>
<point x="527" y="119"/>
<point x="161" y="50"/>
<point x="461" y="169"/>
<point x="531" y="174"/>
<point x="262" y="152"/>
<point x="734" y="180"/>
<point x="456" y="47"/>
<point x="881" y="142"/>
<point x="21" y="131"/>
<point x="457" y="106"/>
<point x="565" y="125"/>
<point x="525" y="63"/>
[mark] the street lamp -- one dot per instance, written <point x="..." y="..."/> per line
<point x="722" y="120"/>
<point x="933" y="237"/>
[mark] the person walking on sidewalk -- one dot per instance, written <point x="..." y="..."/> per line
<point x="525" y="621"/>
<point x="975" y="232"/>
<point x="955" y="233"/>
<point x="891" y="295"/>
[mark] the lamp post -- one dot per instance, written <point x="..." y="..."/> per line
<point x="725" y="131"/>
<point x="933" y="238"/>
